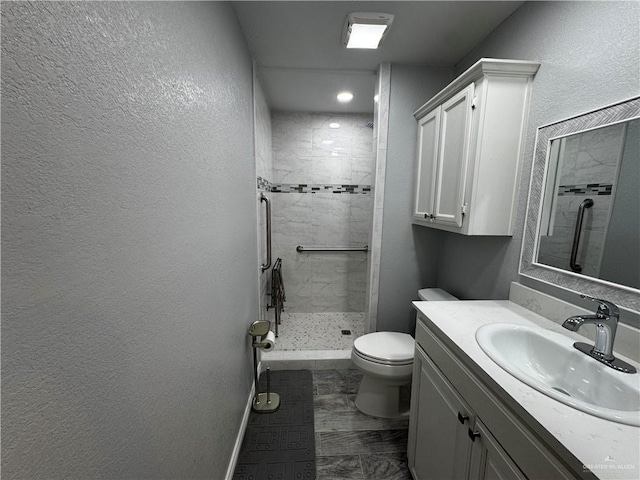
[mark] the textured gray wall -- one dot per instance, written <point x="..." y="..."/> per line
<point x="589" y="56"/>
<point x="409" y="255"/>
<point x="129" y="251"/>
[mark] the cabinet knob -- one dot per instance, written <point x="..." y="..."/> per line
<point x="473" y="435"/>
<point x="462" y="418"/>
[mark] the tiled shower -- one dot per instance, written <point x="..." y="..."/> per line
<point x="317" y="169"/>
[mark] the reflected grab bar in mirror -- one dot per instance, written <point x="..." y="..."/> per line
<point x="265" y="266"/>
<point x="588" y="203"/>
<point x="300" y="248"/>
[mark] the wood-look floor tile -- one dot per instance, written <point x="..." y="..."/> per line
<point x="345" y="467"/>
<point x="333" y="402"/>
<point x="352" y="421"/>
<point x="363" y="442"/>
<point x="385" y="466"/>
<point x="337" y="381"/>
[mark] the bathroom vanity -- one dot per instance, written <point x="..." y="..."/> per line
<point x="472" y="419"/>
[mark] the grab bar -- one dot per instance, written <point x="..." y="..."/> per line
<point x="588" y="203"/>
<point x="265" y="266"/>
<point x="300" y="248"/>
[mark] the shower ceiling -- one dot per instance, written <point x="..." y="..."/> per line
<point x="302" y="63"/>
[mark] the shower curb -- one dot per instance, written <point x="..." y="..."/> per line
<point x="307" y="360"/>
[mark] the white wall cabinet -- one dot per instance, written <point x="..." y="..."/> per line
<point x="459" y="429"/>
<point x="470" y="140"/>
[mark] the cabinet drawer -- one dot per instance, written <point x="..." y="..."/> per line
<point x="530" y="454"/>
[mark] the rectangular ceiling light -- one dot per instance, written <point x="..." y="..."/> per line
<point x="366" y="30"/>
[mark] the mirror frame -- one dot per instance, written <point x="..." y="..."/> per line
<point x="621" y="295"/>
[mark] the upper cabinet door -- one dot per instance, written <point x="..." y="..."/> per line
<point x="453" y="157"/>
<point x="428" y="136"/>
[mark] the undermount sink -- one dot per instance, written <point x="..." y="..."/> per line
<point x="548" y="362"/>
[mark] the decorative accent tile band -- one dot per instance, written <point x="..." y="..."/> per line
<point x="585" y="189"/>
<point x="320" y="188"/>
<point x="267" y="186"/>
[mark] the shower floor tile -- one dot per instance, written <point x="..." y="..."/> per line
<point x="319" y="331"/>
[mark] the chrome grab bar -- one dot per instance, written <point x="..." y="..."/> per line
<point x="300" y="248"/>
<point x="588" y="203"/>
<point x="263" y="198"/>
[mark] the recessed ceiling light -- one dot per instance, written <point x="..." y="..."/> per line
<point x="344" y="97"/>
<point x="334" y="125"/>
<point x="365" y="30"/>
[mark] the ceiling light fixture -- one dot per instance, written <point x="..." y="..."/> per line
<point x="365" y="30"/>
<point x="344" y="97"/>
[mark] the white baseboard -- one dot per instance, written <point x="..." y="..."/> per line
<point x="233" y="461"/>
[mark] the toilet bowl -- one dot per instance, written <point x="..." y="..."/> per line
<point x="386" y="361"/>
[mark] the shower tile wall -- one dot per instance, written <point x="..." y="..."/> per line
<point x="322" y="180"/>
<point x="589" y="169"/>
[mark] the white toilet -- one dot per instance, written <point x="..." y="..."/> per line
<point x="386" y="360"/>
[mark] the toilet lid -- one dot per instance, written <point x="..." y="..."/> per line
<point x="386" y="346"/>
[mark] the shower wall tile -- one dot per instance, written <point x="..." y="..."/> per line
<point x="361" y="176"/>
<point x="593" y="157"/>
<point x="263" y="134"/>
<point x="332" y="142"/>
<point x="360" y="219"/>
<point x="324" y="120"/>
<point x="291" y="169"/>
<point x="291" y="135"/>
<point x="322" y="170"/>
<point x="361" y="143"/>
<point x="302" y="136"/>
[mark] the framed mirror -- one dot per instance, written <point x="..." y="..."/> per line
<point x="582" y="231"/>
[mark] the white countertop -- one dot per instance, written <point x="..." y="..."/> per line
<point x="611" y="450"/>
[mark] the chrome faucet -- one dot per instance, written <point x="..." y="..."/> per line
<point x="606" y="322"/>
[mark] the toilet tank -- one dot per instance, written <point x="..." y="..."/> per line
<point x="435" y="295"/>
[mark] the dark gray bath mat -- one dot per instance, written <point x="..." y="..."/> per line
<point x="281" y="445"/>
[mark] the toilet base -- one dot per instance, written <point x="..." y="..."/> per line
<point x="380" y="398"/>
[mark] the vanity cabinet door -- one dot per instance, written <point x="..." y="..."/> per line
<point x="439" y="445"/>
<point x="489" y="461"/>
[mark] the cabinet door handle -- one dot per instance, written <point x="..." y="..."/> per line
<point x="462" y="418"/>
<point x="473" y="435"/>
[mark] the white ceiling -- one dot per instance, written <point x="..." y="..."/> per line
<point x="302" y="64"/>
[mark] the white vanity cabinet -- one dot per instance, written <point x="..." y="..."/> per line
<point x="448" y="440"/>
<point x="459" y="430"/>
<point x="470" y="140"/>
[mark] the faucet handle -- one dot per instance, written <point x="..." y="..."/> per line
<point x="605" y="307"/>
